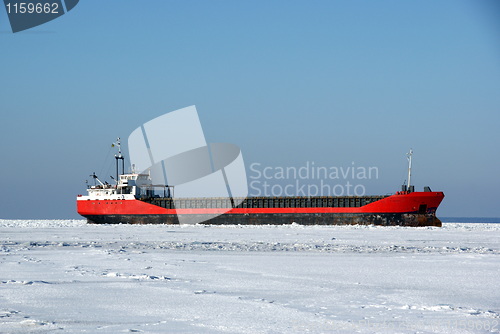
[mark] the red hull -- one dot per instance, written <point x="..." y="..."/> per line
<point x="398" y="203"/>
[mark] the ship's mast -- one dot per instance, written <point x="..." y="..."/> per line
<point x="119" y="156"/>
<point x="408" y="155"/>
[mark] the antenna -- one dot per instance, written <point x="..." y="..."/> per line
<point x="408" y="156"/>
<point x="119" y="156"/>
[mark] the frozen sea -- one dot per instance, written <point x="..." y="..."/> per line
<point x="64" y="276"/>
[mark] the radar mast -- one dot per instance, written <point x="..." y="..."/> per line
<point x="119" y="156"/>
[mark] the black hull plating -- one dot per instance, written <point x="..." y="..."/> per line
<point x="385" y="219"/>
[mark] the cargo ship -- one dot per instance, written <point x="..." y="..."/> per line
<point x="133" y="200"/>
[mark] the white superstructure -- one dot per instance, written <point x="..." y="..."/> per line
<point x="129" y="186"/>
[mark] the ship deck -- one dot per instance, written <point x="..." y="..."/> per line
<point x="263" y="202"/>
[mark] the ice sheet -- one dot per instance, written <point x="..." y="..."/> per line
<point x="67" y="276"/>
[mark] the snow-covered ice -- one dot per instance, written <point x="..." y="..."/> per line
<point x="69" y="277"/>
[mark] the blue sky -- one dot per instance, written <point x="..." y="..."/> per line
<point x="333" y="82"/>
